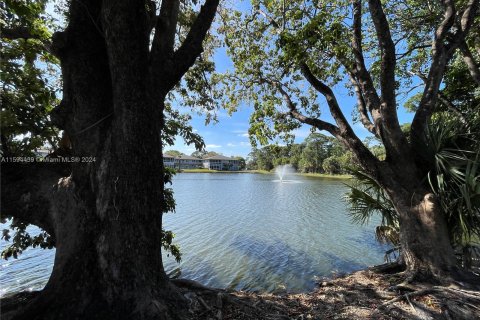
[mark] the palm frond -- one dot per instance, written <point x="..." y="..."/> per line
<point x="366" y="198"/>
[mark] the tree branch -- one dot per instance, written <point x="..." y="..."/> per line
<point x="346" y="135"/>
<point x="362" y="108"/>
<point x="444" y="100"/>
<point x="317" y="123"/>
<point x="442" y="54"/>
<point x="387" y="47"/>
<point x="327" y="92"/>
<point x="361" y="73"/>
<point x="468" y="16"/>
<point x="190" y="49"/>
<point x="24" y="33"/>
<point x="447" y="103"/>
<point x="470" y="62"/>
<point x="396" y="145"/>
<point x="165" y="28"/>
<point x="27" y="190"/>
<point x="406" y="53"/>
<point x="18" y="33"/>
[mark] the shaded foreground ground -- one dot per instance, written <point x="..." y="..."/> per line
<point x="361" y="295"/>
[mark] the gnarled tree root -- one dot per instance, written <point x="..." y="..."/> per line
<point x="208" y="302"/>
<point x="446" y="302"/>
<point x="388" y="268"/>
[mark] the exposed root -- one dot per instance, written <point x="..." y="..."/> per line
<point x="192" y="285"/>
<point x="10" y="305"/>
<point x="406" y="296"/>
<point x="388" y="268"/>
<point x="208" y="302"/>
<point x="454" y="303"/>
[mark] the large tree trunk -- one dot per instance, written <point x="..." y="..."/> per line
<point x="104" y="268"/>
<point x="425" y="244"/>
<point x="106" y="216"/>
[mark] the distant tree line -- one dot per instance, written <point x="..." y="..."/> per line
<point x="317" y="154"/>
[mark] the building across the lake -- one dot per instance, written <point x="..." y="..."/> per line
<point x="187" y="162"/>
<point x="221" y="163"/>
<point x="168" y="161"/>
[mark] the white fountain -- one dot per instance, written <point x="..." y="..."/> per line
<point x="283" y="171"/>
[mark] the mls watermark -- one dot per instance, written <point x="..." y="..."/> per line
<point x="48" y="159"/>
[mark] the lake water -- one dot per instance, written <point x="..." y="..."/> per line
<point x="246" y="232"/>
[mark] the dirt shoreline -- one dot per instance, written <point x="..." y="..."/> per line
<point x="361" y="295"/>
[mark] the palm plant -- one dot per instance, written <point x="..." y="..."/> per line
<point x="366" y="198"/>
<point x="451" y="161"/>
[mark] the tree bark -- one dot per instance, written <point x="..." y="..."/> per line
<point x="425" y="244"/>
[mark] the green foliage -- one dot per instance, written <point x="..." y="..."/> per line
<point x="28" y="78"/>
<point x="199" y="154"/>
<point x="317" y="154"/>
<point x="211" y="154"/>
<point x="22" y="240"/>
<point x="242" y="163"/>
<point x="174" y="153"/>
<point x="455" y="177"/>
<point x="197" y="92"/>
<point x="365" y="198"/>
<point x="331" y="165"/>
<point x="178" y="124"/>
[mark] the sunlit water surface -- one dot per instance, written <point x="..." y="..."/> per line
<point x="247" y="232"/>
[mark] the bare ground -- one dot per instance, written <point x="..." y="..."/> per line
<point x="361" y="295"/>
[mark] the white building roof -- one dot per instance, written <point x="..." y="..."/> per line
<point x="219" y="157"/>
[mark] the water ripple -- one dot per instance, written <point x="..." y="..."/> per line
<point x="244" y="231"/>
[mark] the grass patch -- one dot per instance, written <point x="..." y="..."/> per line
<point x="314" y="175"/>
<point x="327" y="176"/>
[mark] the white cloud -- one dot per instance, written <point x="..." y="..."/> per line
<point x="240" y="144"/>
<point x="213" y="146"/>
<point x="301" y="133"/>
<point x="245" y="135"/>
